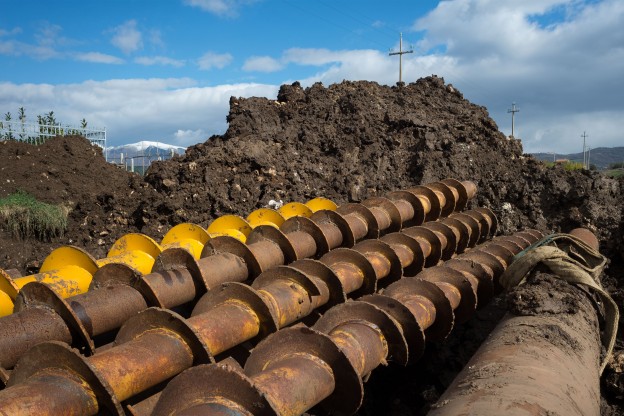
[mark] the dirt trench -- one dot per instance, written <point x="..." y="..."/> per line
<point x="347" y="142"/>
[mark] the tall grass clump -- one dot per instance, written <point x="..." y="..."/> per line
<point x="566" y="165"/>
<point x="24" y="216"/>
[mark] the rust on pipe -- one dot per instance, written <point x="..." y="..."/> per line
<point x="26" y="329"/>
<point x="292" y="383"/>
<point x="220" y="335"/>
<point x="286" y="298"/>
<point x="94" y="310"/>
<point x="351" y="339"/>
<point x="544" y="357"/>
<point x="129" y="368"/>
<point x="49" y="390"/>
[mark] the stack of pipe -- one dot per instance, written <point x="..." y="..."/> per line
<point x="158" y="344"/>
<point x="298" y="368"/>
<point x="178" y="278"/>
<point x="69" y="270"/>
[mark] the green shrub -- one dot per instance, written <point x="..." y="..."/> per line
<point x="24" y="216"/>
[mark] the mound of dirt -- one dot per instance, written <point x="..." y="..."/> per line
<point x="104" y="200"/>
<point x="354" y="140"/>
<point x="347" y="142"/>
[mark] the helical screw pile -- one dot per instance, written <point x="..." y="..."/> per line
<point x="158" y="344"/>
<point x="297" y="368"/>
<point x="118" y="292"/>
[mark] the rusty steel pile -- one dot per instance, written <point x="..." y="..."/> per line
<point x="43" y="315"/>
<point x="297" y="368"/>
<point x="274" y="317"/>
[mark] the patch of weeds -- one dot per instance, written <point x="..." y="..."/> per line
<point x="24" y="217"/>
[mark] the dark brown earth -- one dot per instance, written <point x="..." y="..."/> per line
<point x="347" y="142"/>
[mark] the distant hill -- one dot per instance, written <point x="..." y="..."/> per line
<point x="600" y="156"/>
<point x="144" y="152"/>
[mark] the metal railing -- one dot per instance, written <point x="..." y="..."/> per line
<point x="140" y="163"/>
<point x="36" y="133"/>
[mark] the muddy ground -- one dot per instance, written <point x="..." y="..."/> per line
<point x="347" y="142"/>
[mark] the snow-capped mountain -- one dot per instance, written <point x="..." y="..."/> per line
<point x="144" y="149"/>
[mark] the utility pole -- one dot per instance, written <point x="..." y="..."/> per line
<point x="513" y="110"/>
<point x="401" y="52"/>
<point x="584" y="136"/>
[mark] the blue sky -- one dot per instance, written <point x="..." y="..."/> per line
<point x="164" y="70"/>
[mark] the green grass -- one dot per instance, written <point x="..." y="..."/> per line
<point x="615" y="173"/>
<point x="566" y="165"/>
<point x="24" y="217"/>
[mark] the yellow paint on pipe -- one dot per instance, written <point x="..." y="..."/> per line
<point x="188" y="236"/>
<point x="68" y="269"/>
<point x="295" y="209"/>
<point x="7" y="284"/>
<point x="68" y="255"/>
<point x="320" y="203"/>
<point x="265" y="216"/>
<point x="6" y="304"/>
<point x="232" y="233"/>
<point x="232" y="225"/>
<point x="135" y="250"/>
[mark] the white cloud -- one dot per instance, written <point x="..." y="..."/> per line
<point x="159" y="60"/>
<point x="172" y="110"/>
<point x="15" y="31"/>
<point x="127" y="38"/>
<point x="211" y="60"/>
<point x="47" y="39"/>
<point x="38" y="52"/>
<point x="99" y="58"/>
<point x="220" y="7"/>
<point x="562" y="73"/>
<point x="311" y="56"/>
<point x="365" y="64"/>
<point x="186" y="137"/>
<point x="262" y="64"/>
<point x="155" y="38"/>
<point x="49" y="35"/>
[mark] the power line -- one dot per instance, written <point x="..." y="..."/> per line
<point x="513" y="110"/>
<point x="401" y="52"/>
<point x="585" y="155"/>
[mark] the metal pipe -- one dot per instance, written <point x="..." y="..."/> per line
<point x="542" y="358"/>
<point x="351" y="339"/>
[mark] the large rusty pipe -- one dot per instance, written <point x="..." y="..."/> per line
<point x="546" y="364"/>
<point x="363" y="356"/>
<point x="352" y="339"/>
<point x="542" y="358"/>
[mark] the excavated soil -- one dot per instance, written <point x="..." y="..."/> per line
<point x="347" y="142"/>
